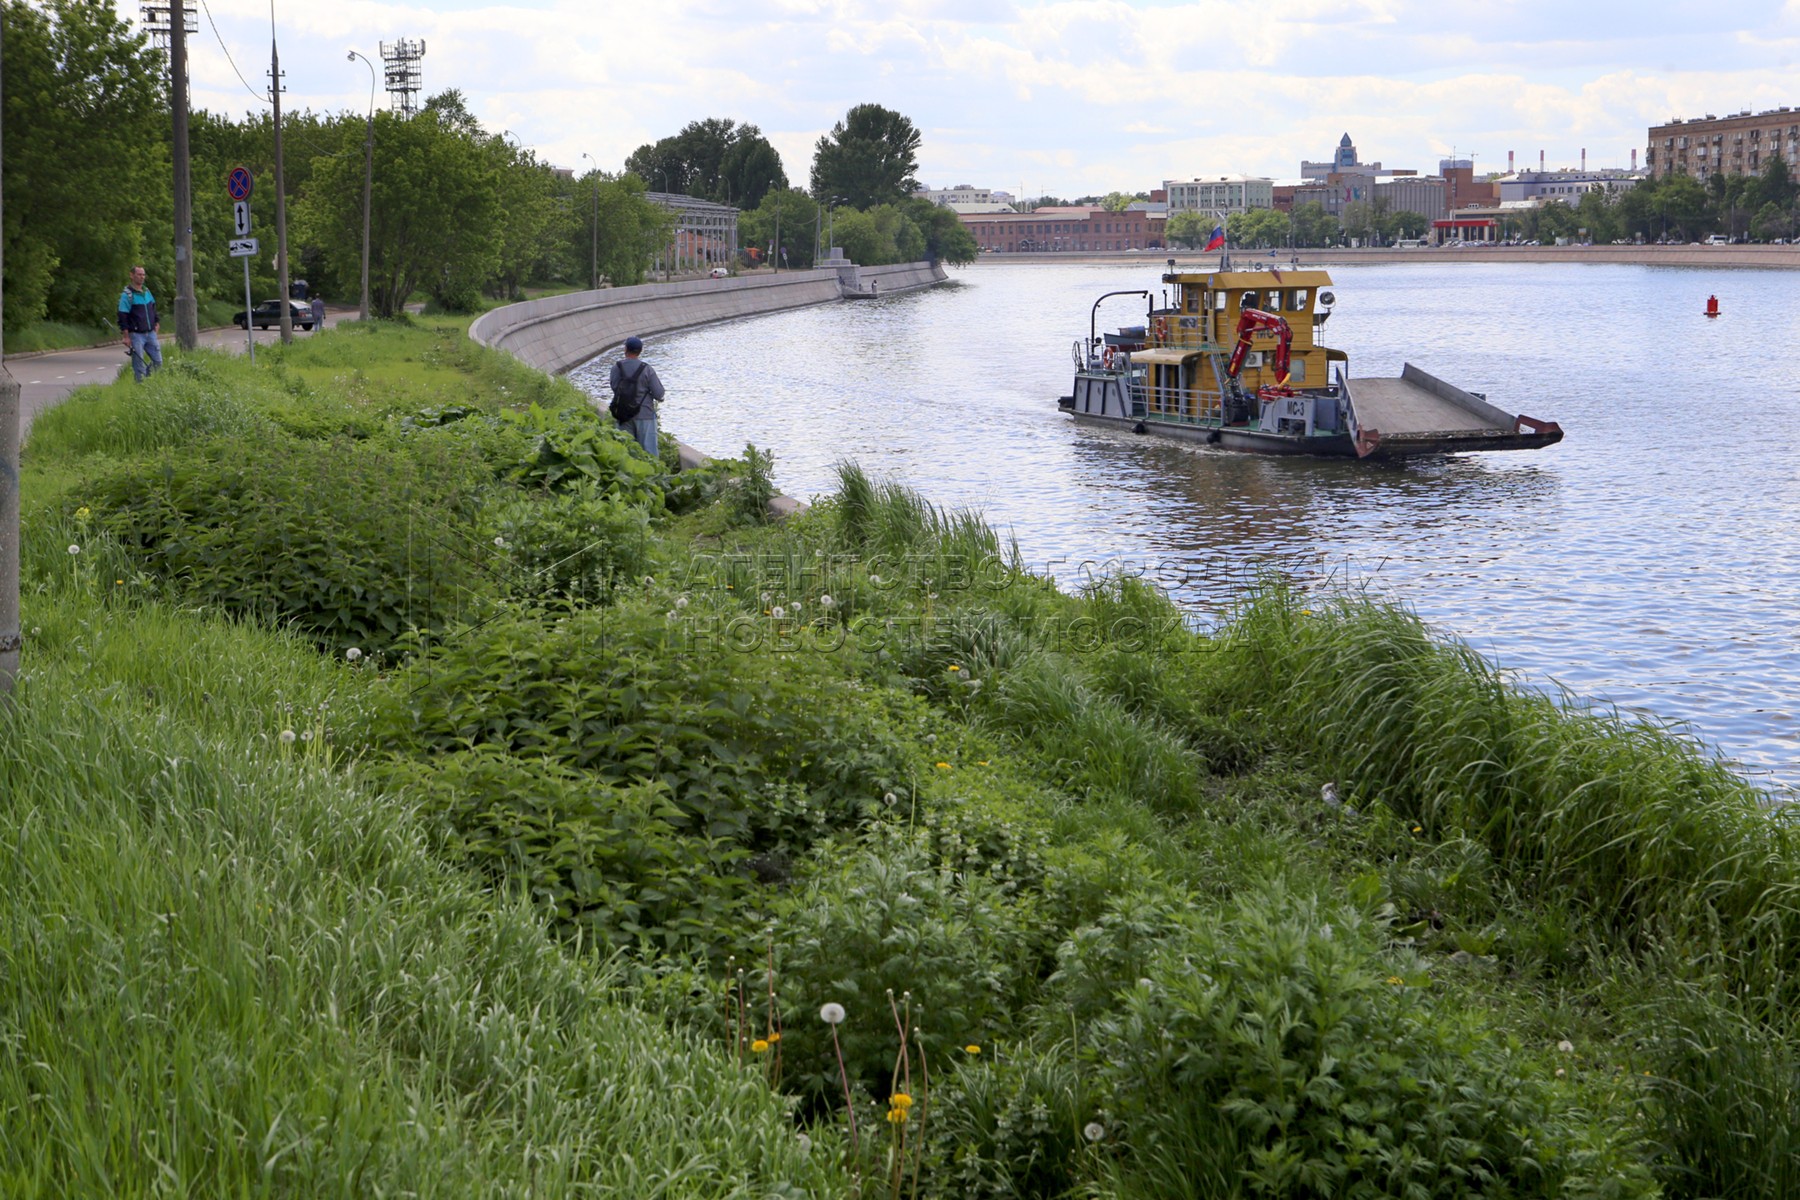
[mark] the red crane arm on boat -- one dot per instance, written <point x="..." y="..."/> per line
<point x="1251" y="320"/>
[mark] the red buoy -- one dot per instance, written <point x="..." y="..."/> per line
<point x="1712" y="306"/>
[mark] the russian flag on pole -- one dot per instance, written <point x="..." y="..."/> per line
<point x="1217" y="240"/>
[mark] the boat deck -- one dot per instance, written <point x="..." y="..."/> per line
<point x="1399" y="407"/>
<point x="1419" y="413"/>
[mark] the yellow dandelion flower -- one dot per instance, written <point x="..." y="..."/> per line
<point x="900" y="1100"/>
<point x="1418" y="829"/>
<point x="954" y="669"/>
<point x="896" y="1116"/>
<point x="943" y="766"/>
<point x="981" y="762"/>
<point x="1395" y="980"/>
<point x="82" y="513"/>
<point x="773" y="1038"/>
<point x="759" y="1047"/>
<point x="971" y="1049"/>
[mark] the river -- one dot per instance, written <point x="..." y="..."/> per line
<point x="1652" y="560"/>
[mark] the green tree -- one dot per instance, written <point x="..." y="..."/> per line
<point x="796" y="215"/>
<point x="947" y="239"/>
<point x="1116" y="202"/>
<point x="1312" y="225"/>
<point x="1188" y="229"/>
<point x="713" y="159"/>
<point x="868" y="159"/>
<point x="436" y="201"/>
<point x="88" y="181"/>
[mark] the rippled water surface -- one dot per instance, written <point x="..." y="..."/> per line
<point x="1651" y="560"/>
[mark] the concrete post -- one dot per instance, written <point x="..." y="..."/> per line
<point x="9" y="484"/>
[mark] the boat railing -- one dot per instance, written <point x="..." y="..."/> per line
<point x="1184" y="406"/>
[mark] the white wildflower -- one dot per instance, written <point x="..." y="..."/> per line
<point x="74" y="549"/>
<point x="500" y="542"/>
<point x="778" y="612"/>
<point x="287" y="737"/>
<point x="875" y="579"/>
<point x="1566" y="1046"/>
<point x="831" y="1014"/>
<point x="1093" y="1131"/>
<point x="826" y="602"/>
<point x="681" y="602"/>
<point x="353" y="654"/>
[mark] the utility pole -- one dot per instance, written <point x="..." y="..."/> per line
<point x="281" y="245"/>
<point x="368" y="181"/>
<point x="10" y="641"/>
<point x="595" y="280"/>
<point x="187" y="312"/>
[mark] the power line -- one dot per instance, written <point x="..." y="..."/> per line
<point x="234" y="67"/>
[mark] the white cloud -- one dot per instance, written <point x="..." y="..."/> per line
<point x="1069" y="96"/>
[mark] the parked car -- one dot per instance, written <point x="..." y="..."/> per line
<point x="269" y="313"/>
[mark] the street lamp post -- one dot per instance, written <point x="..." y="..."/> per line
<point x="595" y="282"/>
<point x="368" y="180"/>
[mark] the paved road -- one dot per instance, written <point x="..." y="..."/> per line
<point x="46" y="380"/>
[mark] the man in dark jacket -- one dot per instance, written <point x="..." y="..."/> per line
<point x="139" y="325"/>
<point x="632" y="374"/>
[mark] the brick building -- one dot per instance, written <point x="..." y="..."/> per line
<point x="1074" y="229"/>
<point x="1740" y="144"/>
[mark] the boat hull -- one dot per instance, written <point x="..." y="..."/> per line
<point x="1338" y="445"/>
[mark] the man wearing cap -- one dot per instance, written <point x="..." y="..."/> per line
<point x="632" y="370"/>
<point x="138" y="324"/>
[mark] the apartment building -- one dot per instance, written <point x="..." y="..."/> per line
<point x="1224" y="194"/>
<point x="1739" y="144"/>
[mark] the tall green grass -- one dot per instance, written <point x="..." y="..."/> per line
<point x="226" y="970"/>
<point x="1632" y="823"/>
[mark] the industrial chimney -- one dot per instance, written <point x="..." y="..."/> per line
<point x="1509" y="162"/>
<point x="1584" y="160"/>
<point x="1634" y="160"/>
<point x="1540" y="160"/>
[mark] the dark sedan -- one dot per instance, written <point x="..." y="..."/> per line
<point x="269" y="313"/>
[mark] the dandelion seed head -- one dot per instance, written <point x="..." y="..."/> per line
<point x="353" y="654"/>
<point x="1566" y="1046"/>
<point x="1093" y="1131"/>
<point x="74" y="549"/>
<point x="778" y="612"/>
<point x="826" y="602"/>
<point x="831" y="1013"/>
<point x="287" y="737"/>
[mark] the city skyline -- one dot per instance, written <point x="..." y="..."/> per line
<point x="1065" y="98"/>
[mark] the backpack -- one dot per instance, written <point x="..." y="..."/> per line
<point x="626" y="399"/>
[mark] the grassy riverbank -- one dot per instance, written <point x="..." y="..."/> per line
<point x="414" y="784"/>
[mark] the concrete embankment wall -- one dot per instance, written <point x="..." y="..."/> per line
<point x="559" y="332"/>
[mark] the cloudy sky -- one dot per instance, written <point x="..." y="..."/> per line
<point x="1065" y="97"/>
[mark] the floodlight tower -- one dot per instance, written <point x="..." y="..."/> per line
<point x="400" y="61"/>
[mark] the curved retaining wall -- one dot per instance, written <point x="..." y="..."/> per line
<point x="559" y="332"/>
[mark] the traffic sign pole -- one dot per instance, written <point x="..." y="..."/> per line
<point x="239" y="183"/>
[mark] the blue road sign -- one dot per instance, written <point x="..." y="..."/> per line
<point x="239" y="183"/>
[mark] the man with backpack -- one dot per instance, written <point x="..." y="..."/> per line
<point x="635" y="391"/>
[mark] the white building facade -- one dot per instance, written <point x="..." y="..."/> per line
<point x="1224" y="194"/>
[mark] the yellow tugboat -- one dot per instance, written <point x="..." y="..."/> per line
<point x="1236" y="361"/>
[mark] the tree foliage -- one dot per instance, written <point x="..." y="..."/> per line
<point x="791" y="213"/>
<point x="715" y="159"/>
<point x="88" y="191"/>
<point x="868" y="159"/>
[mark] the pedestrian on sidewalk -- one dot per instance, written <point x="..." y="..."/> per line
<point x="318" y="313"/>
<point x="636" y="389"/>
<point x="139" y="325"/>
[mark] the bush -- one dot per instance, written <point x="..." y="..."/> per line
<point x="351" y="543"/>
<point x="1281" y="1053"/>
<point x="577" y="542"/>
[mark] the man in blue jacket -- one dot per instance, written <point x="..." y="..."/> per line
<point x="139" y="323"/>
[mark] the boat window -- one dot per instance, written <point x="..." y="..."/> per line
<point x="1191" y="298"/>
<point x="1219" y="299"/>
<point x="1273" y="303"/>
<point x="1299" y="299"/>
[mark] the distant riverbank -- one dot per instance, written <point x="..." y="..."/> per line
<point x="1778" y="257"/>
